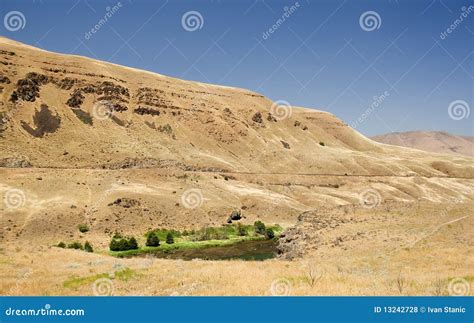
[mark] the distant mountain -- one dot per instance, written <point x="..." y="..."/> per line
<point x="432" y="141"/>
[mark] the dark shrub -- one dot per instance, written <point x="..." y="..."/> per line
<point x="169" y="238"/>
<point x="241" y="230"/>
<point x="259" y="227"/>
<point x="75" y="245"/>
<point x="61" y="245"/>
<point x="269" y="233"/>
<point x="152" y="240"/>
<point x="88" y="247"/>
<point x="322" y="143"/>
<point x="83" y="228"/>
<point x="132" y="243"/>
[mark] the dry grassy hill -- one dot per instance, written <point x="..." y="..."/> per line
<point x="431" y="141"/>
<point x="73" y="112"/>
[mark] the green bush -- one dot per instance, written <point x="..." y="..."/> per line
<point x="61" y="245"/>
<point x="132" y="243"/>
<point x="241" y="230"/>
<point x="120" y="244"/>
<point x="269" y="233"/>
<point x="152" y="240"/>
<point x="75" y="245"/>
<point x="322" y="143"/>
<point x="259" y="227"/>
<point x="83" y="228"/>
<point x="88" y="247"/>
<point x="163" y="233"/>
<point x="169" y="238"/>
<point x="210" y="233"/>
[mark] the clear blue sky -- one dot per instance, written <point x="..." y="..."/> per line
<point x="319" y="57"/>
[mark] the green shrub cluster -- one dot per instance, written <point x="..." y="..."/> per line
<point x="77" y="245"/>
<point x="119" y="243"/>
<point x="163" y="233"/>
<point x="210" y="233"/>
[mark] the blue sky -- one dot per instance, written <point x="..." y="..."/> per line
<point x="321" y="56"/>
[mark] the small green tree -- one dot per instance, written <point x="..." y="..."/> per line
<point x="61" y="245"/>
<point x="88" y="247"/>
<point x="169" y="238"/>
<point x="132" y="243"/>
<point x="152" y="240"/>
<point x="269" y="233"/>
<point x="241" y="230"/>
<point x="259" y="227"/>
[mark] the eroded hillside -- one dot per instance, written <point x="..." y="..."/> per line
<point x="73" y="112"/>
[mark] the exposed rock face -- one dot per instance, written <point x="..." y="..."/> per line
<point x="15" y="162"/>
<point x="271" y="118"/>
<point x="125" y="202"/>
<point x="257" y="117"/>
<point x="146" y="110"/>
<point x="4" y="79"/>
<point x="28" y="88"/>
<point x="291" y="243"/>
<point x="76" y="99"/>
<point x="234" y="216"/>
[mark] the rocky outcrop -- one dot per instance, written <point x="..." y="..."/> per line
<point x="27" y="89"/>
<point x="291" y="243"/>
<point x="125" y="202"/>
<point x="15" y="162"/>
<point x="234" y="216"/>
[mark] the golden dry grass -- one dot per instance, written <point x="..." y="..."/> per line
<point x="424" y="267"/>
